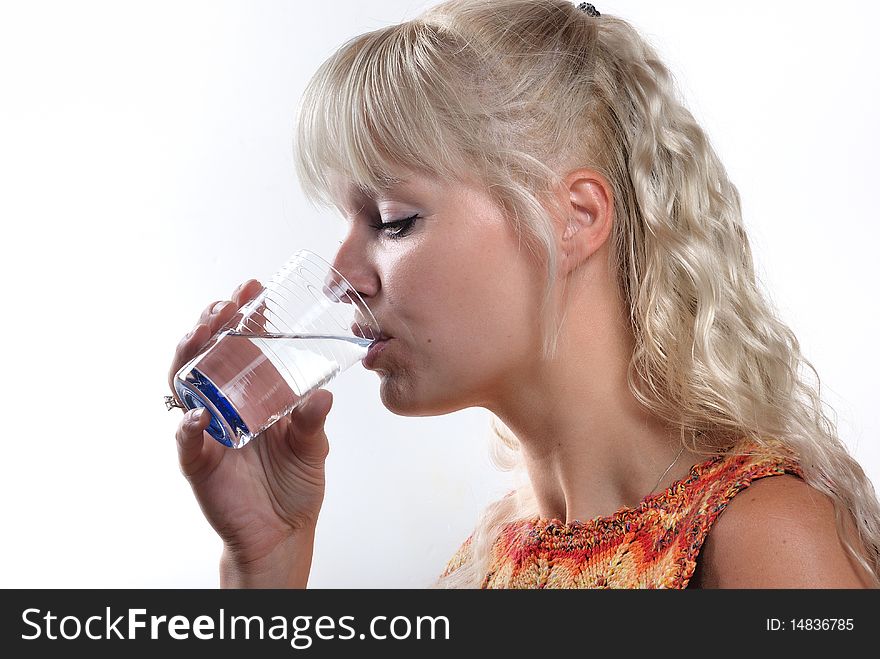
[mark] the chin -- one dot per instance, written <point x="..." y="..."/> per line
<point x="403" y="401"/>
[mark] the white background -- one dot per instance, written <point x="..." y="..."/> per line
<point x="146" y="170"/>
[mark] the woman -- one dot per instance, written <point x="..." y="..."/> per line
<point x="545" y="232"/>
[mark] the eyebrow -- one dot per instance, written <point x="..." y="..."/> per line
<point x="388" y="185"/>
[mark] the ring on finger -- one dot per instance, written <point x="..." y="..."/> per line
<point x="171" y="403"/>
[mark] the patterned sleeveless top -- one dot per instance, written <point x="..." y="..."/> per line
<point x="654" y="545"/>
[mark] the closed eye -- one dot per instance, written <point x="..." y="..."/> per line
<point x="398" y="228"/>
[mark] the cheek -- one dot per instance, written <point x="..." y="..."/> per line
<point x="484" y="314"/>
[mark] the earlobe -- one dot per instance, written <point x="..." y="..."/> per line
<point x="574" y="246"/>
<point x="571" y="245"/>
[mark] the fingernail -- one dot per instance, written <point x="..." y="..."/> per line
<point x="220" y="306"/>
<point x="194" y="416"/>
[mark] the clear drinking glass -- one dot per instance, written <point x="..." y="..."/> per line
<point x="304" y="327"/>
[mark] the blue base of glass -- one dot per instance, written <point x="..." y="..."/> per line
<point x="198" y="391"/>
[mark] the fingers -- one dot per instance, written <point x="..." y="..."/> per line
<point x="246" y="292"/>
<point x="215" y="316"/>
<point x="219" y="312"/>
<point x="242" y="295"/>
<point x="188" y="348"/>
<point x="191" y="439"/>
<point x="308" y="439"/>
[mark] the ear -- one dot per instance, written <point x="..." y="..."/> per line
<point x="587" y="214"/>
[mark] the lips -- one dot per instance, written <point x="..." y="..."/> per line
<point x="366" y="332"/>
<point x="373" y="353"/>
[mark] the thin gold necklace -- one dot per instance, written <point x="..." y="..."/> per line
<point x="667" y="470"/>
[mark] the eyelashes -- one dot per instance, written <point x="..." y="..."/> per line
<point x="397" y="229"/>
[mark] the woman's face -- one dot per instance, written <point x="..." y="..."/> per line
<point x="452" y="287"/>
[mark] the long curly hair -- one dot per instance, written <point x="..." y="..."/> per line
<point x="518" y="92"/>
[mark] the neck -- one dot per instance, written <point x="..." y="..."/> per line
<point x="589" y="447"/>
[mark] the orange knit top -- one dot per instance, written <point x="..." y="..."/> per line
<point x="654" y="545"/>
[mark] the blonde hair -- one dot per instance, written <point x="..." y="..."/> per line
<point x="518" y="92"/>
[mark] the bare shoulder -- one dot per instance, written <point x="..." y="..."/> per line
<point x="778" y="533"/>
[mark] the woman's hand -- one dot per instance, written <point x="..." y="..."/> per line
<point x="263" y="499"/>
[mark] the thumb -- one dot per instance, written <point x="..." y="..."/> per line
<point x="309" y="439"/>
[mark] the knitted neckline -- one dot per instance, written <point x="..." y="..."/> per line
<point x="556" y="526"/>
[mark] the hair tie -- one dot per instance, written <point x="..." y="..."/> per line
<point x="588" y="9"/>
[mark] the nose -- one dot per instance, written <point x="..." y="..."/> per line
<point x="354" y="275"/>
<point x="354" y="266"/>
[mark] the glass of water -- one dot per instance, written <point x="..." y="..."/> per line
<point x="304" y="327"/>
